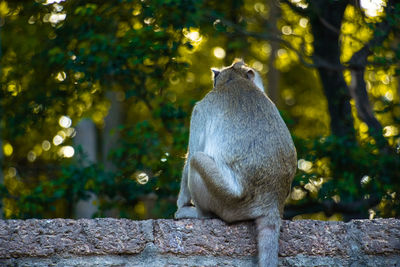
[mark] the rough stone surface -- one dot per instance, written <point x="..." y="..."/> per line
<point x="373" y="236"/>
<point x="122" y="242"/>
<point x="205" y="237"/>
<point x="317" y="238"/>
<point x="43" y="238"/>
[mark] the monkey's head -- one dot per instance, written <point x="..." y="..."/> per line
<point x="238" y="70"/>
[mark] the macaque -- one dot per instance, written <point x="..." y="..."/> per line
<point x="241" y="158"/>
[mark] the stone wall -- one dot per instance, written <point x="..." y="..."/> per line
<point x="122" y="242"/>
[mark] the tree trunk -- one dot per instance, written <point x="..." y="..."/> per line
<point x="86" y="137"/>
<point x="110" y="135"/>
<point x="233" y="15"/>
<point x="358" y="89"/>
<point x="363" y="105"/>
<point x="327" y="57"/>
<point x="110" y="140"/>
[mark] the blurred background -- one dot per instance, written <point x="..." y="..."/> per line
<point x="96" y="97"/>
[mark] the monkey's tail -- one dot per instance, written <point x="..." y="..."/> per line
<point x="268" y="228"/>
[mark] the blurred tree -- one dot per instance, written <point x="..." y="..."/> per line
<point x="1" y="174"/>
<point x="273" y="73"/>
<point x="326" y="20"/>
<point x="328" y="23"/>
<point x="86" y="139"/>
<point x="60" y="60"/>
<point x="325" y="45"/>
<point x="81" y="51"/>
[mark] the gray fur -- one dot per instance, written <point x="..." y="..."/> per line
<point x="241" y="159"/>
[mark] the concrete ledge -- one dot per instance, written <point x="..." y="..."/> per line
<point x="122" y="242"/>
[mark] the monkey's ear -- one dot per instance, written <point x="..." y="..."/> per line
<point x="238" y="60"/>
<point x="250" y="74"/>
<point x="215" y="73"/>
<point x="238" y="63"/>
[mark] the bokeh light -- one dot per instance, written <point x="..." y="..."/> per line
<point x="141" y="177"/>
<point x="31" y="156"/>
<point x="46" y="145"/>
<point x="8" y="149"/>
<point x="57" y="140"/>
<point x="67" y="151"/>
<point x="219" y="52"/>
<point x="372" y="7"/>
<point x="65" y="121"/>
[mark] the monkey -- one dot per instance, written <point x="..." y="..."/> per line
<point x="258" y="81"/>
<point x="241" y="158"/>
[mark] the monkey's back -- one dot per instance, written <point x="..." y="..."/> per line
<point x="247" y="137"/>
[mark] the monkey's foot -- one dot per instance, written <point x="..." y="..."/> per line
<point x="187" y="212"/>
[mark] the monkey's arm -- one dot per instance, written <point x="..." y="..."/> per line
<point x="184" y="194"/>
<point x="196" y="143"/>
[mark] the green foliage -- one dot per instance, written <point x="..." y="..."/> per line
<point x="334" y="170"/>
<point x="43" y="199"/>
<point x="64" y="59"/>
<point x="126" y="46"/>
